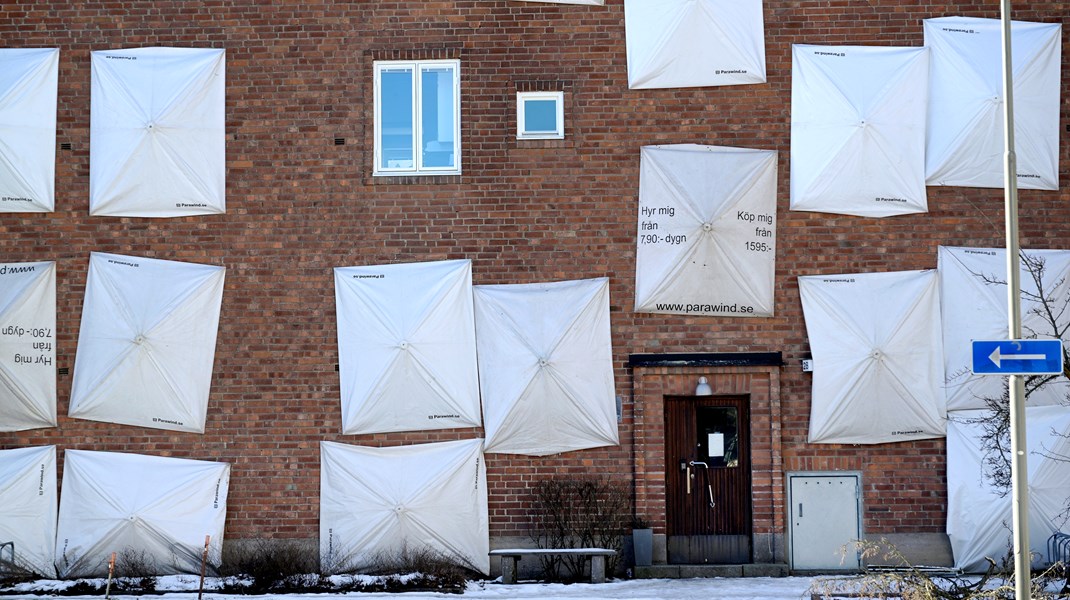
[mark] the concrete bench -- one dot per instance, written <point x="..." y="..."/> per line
<point x="511" y="556"/>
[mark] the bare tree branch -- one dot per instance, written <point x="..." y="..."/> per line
<point x="1049" y="312"/>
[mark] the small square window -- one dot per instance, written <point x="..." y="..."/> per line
<point x="540" y="115"/>
<point x="417" y="117"/>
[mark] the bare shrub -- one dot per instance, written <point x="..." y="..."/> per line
<point x="902" y="580"/>
<point x="135" y="571"/>
<point x="271" y="565"/>
<point x="427" y="568"/>
<point x="289" y="566"/>
<point x="17" y="571"/>
<point x="135" y="563"/>
<point x="579" y="513"/>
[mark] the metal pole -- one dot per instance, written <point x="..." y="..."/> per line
<point x="111" y="571"/>
<point x="204" y="563"/>
<point x="1016" y="384"/>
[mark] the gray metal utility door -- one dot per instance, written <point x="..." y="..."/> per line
<point x="825" y="523"/>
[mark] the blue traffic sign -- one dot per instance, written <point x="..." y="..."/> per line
<point x="1017" y="357"/>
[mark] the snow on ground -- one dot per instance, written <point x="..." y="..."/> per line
<point x="750" y="588"/>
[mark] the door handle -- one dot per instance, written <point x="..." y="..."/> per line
<point x="690" y="476"/>
<point x="800" y="510"/>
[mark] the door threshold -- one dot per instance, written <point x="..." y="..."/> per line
<point x="705" y="571"/>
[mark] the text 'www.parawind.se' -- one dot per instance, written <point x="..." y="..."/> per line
<point x="704" y="308"/>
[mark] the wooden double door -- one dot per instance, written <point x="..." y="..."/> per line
<point x="708" y="479"/>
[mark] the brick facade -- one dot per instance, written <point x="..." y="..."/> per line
<point x="299" y="76"/>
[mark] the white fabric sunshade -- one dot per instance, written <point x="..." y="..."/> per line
<point x="965" y="135"/>
<point x="979" y="515"/>
<point x="407" y="347"/>
<point x="875" y="340"/>
<point x="694" y="43"/>
<point x="546" y="366"/>
<point x="706" y="239"/>
<point x="155" y="507"/>
<point x="974" y="307"/>
<point x="858" y="129"/>
<point x="157" y="132"/>
<point x="27" y="345"/>
<point x="29" y="82"/>
<point x="29" y="498"/>
<point x="147" y="342"/>
<point x="381" y="503"/>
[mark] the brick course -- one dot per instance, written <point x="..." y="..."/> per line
<point x="299" y="75"/>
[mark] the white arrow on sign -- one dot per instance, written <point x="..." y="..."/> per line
<point x="996" y="356"/>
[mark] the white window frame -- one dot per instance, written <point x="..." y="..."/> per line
<point x="417" y="66"/>
<point x="522" y="133"/>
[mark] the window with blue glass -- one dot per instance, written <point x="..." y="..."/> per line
<point x="417" y="117"/>
<point x="540" y="115"/>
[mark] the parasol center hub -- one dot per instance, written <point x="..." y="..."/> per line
<point x="543" y="362"/>
<point x="403" y="345"/>
<point x="140" y="339"/>
<point x="707" y="227"/>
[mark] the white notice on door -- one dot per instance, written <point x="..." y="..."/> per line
<point x="716" y="445"/>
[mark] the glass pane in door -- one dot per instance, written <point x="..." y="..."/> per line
<point x="718" y="436"/>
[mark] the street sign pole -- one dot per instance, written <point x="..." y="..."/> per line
<point x="1016" y="383"/>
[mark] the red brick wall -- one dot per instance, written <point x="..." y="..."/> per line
<point x="299" y="75"/>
